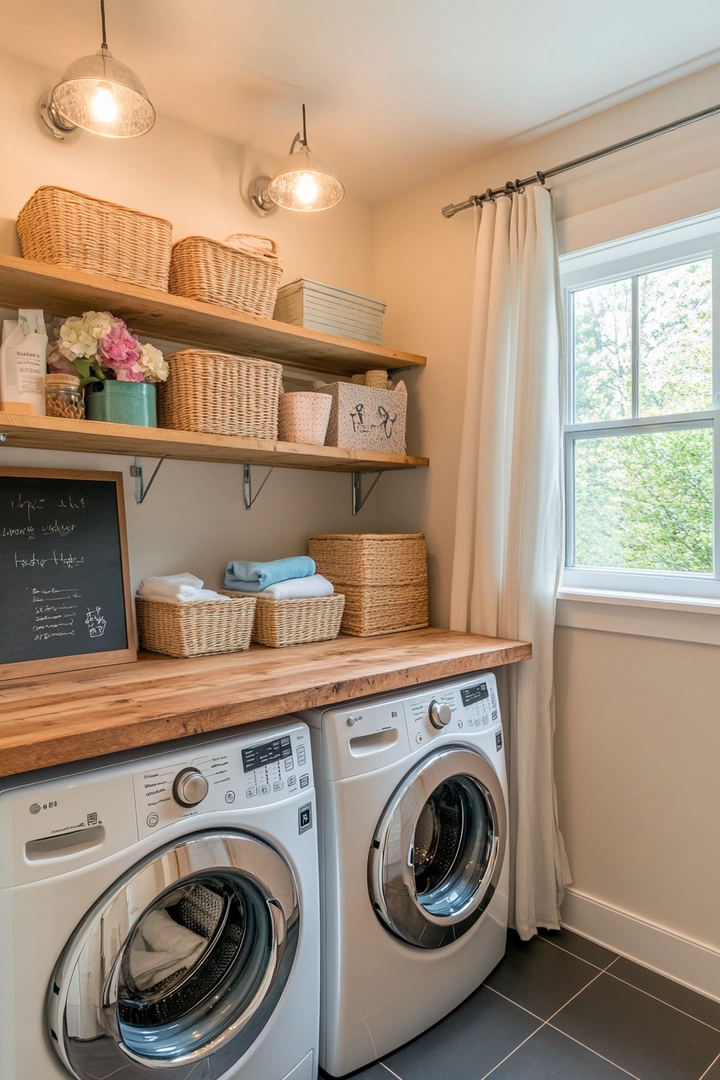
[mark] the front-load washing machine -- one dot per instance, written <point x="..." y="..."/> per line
<point x="159" y="914"/>
<point x="412" y="800"/>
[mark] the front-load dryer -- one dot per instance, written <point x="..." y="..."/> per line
<point x="159" y="914"/>
<point x="412" y="798"/>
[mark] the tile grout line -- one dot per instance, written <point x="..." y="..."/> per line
<point x="595" y="1052"/>
<point x="515" y="1003"/>
<point x="663" y="1002"/>
<point x="518" y="1047"/>
<point x="710" y="1066"/>
<point x="384" y="1066"/>
<point x="567" y="951"/>
<point x="573" y="997"/>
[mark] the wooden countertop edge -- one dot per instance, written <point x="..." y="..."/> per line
<point x="43" y="726"/>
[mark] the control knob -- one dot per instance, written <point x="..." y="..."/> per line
<point x="439" y="715"/>
<point x="190" y="787"/>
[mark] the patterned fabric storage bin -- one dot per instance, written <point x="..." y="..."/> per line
<point x="364" y="418"/>
<point x="383" y="577"/>
<point x="220" y="394"/>
<point x="67" y="229"/>
<point x="198" y="628"/>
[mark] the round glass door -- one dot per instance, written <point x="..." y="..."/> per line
<point x="183" y="961"/>
<point x="438" y="850"/>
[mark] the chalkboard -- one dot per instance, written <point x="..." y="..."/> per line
<point x="64" y="588"/>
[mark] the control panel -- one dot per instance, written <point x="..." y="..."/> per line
<point x="451" y="708"/>
<point x="247" y="774"/>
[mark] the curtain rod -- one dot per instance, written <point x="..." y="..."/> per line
<point x="513" y="186"/>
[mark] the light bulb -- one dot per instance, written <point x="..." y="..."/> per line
<point x="306" y="189"/>
<point x="104" y="105"/>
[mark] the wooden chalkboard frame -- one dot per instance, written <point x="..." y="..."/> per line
<point x="20" y="669"/>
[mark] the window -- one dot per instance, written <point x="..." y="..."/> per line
<point x="641" y="441"/>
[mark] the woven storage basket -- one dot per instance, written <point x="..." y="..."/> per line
<point x="383" y="577"/>
<point x="296" y="622"/>
<point x="65" y="228"/>
<point x="198" y="628"/>
<point x="204" y="269"/>
<point x="220" y="394"/>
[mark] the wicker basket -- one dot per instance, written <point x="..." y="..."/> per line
<point x="65" y="228"/>
<point x="204" y="269"/>
<point x="383" y="577"/>
<point x="297" y="622"/>
<point x="198" y="628"/>
<point x="220" y="394"/>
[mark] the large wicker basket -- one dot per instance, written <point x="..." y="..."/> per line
<point x="197" y="628"/>
<point x="296" y="622"/>
<point x="383" y="577"/>
<point x="65" y="228"/>
<point x="204" y="269"/>
<point x="220" y="394"/>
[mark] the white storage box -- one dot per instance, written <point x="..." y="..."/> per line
<point x="363" y="418"/>
<point x="335" y="311"/>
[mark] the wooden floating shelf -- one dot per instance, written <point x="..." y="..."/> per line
<point x="63" y="291"/>
<point x="89" y="436"/>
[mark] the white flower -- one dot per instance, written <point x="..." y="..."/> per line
<point x="153" y="363"/>
<point x="80" y="334"/>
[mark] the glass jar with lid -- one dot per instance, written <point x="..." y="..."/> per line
<point x="63" y="397"/>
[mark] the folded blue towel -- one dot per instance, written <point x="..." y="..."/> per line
<point x="254" y="576"/>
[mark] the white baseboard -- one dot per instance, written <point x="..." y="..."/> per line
<point x="680" y="958"/>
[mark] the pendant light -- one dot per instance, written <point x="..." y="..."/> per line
<point x="304" y="182"/>
<point x="99" y="94"/>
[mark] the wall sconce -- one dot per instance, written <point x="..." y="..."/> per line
<point x="99" y="94"/>
<point x="304" y="182"/>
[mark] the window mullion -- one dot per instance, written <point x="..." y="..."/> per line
<point x="635" y="345"/>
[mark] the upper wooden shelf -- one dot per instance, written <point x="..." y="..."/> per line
<point x="60" y="291"/>
<point x="89" y="436"/>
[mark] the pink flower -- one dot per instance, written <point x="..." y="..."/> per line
<point x="120" y="352"/>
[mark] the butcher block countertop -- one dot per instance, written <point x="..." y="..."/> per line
<point x="52" y="719"/>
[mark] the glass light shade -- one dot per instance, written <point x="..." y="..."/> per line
<point x="306" y="182"/>
<point x="101" y="95"/>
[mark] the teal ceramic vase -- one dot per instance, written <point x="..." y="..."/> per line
<point x="121" y="403"/>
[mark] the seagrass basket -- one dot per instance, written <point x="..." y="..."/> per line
<point x="204" y="269"/>
<point x="65" y="228"/>
<point x="383" y="577"/>
<point x="296" y="622"/>
<point x="197" y="628"/>
<point x="220" y="394"/>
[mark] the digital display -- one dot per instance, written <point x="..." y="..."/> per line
<point x="265" y="753"/>
<point x="474" y="693"/>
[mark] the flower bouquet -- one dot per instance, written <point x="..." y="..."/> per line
<point x="116" y="369"/>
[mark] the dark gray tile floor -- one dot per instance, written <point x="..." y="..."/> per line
<point x="560" y="1007"/>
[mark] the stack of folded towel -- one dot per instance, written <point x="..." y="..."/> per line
<point x="184" y="588"/>
<point x="283" y="579"/>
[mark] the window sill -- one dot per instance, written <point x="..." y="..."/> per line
<point x="675" y="618"/>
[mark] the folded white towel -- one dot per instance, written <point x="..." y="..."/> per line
<point x="296" y="588"/>
<point x="184" y="588"/>
<point x="251" y="245"/>
<point x="161" y="948"/>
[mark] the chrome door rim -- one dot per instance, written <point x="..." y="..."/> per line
<point x="391" y="875"/>
<point x="220" y="852"/>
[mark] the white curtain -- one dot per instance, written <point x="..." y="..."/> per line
<point x="509" y="524"/>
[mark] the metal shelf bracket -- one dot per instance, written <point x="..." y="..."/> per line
<point x="358" y="500"/>
<point x="248" y="497"/>
<point x="141" y="489"/>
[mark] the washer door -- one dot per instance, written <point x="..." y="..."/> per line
<point x="439" y="847"/>
<point x="180" y="965"/>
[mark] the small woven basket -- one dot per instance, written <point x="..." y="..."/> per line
<point x="65" y="228"/>
<point x="220" y="394"/>
<point x="198" y="628"/>
<point x="303" y="417"/>
<point x="297" y="622"/>
<point x="204" y="269"/>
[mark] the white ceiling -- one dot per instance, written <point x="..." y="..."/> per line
<point x="397" y="90"/>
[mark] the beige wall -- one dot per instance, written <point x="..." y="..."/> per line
<point x="193" y="518"/>
<point x="637" y="742"/>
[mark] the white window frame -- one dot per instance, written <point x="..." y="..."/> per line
<point x="678" y="243"/>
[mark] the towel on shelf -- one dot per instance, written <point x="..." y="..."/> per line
<point x="161" y="948"/>
<point x="253" y="577"/>
<point x="295" y="589"/>
<point x="184" y="588"/>
<point x="251" y="245"/>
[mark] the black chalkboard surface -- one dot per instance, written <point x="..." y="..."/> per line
<point x="64" y="589"/>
